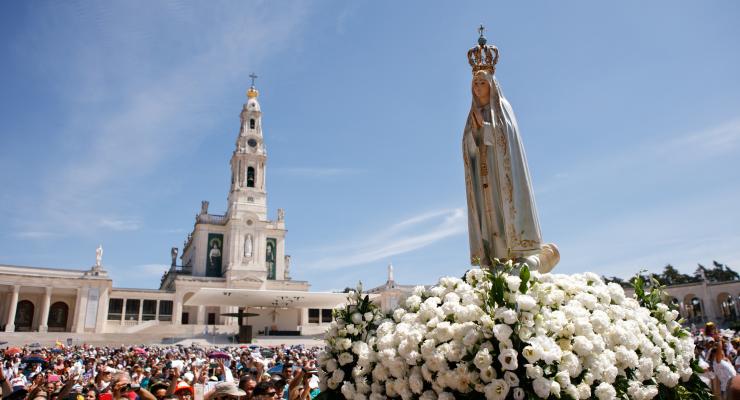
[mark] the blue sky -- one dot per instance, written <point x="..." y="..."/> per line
<point x="118" y="118"/>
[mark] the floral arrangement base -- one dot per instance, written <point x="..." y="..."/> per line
<point x="508" y="333"/>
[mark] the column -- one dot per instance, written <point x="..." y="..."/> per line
<point x="10" y="325"/>
<point x="81" y="310"/>
<point x="123" y="312"/>
<point x="101" y="314"/>
<point x="45" y="304"/>
<point x="201" y="315"/>
<point x="141" y="310"/>
<point x="302" y="319"/>
<point x="177" y="311"/>
<point x="76" y="311"/>
<point x="156" y="312"/>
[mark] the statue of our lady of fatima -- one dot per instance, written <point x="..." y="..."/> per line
<point x="502" y="216"/>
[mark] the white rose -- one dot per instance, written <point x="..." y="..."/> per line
<point x="488" y="374"/>
<point x="483" y="359"/>
<point x="368" y="316"/>
<point x="605" y="391"/>
<point x="541" y="387"/>
<point x="508" y="359"/>
<point x="511" y="379"/>
<point x="356" y="318"/>
<point x="497" y="390"/>
<point x="519" y="393"/>
<point x="502" y="332"/>
<point x="348" y="390"/>
<point x="413" y="302"/>
<point x="345" y="358"/>
<point x="531" y="353"/>
<point x="513" y="282"/>
<point x="509" y="316"/>
<point x="526" y="302"/>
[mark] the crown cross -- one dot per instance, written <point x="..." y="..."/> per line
<point x="483" y="57"/>
<point x="254" y="76"/>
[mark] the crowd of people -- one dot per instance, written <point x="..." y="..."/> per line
<point x="718" y="355"/>
<point x="158" y="373"/>
<point x="248" y="372"/>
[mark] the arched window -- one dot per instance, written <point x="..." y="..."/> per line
<point x="251" y="123"/>
<point x="24" y="316"/>
<point x="58" y="313"/>
<point x="250" y="177"/>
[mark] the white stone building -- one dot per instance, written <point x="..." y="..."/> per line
<point x="229" y="263"/>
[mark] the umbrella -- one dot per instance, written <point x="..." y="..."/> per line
<point x="11" y="351"/>
<point x="56" y="350"/>
<point x="35" y="344"/>
<point x="277" y="369"/>
<point x="2" y="342"/>
<point x="219" y="354"/>
<point x="29" y="360"/>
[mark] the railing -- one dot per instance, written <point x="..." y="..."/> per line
<point x="212" y="219"/>
<point x="182" y="270"/>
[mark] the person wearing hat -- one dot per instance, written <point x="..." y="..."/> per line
<point x="183" y="391"/>
<point x="224" y="391"/>
<point x="159" y="389"/>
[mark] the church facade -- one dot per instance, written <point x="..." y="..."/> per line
<point x="232" y="263"/>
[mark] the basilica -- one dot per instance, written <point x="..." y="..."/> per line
<point x="232" y="275"/>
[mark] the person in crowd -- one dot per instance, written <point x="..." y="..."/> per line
<point x="87" y="372"/>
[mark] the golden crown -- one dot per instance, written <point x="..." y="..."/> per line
<point x="483" y="57"/>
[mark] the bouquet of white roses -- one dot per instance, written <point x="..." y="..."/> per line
<point x="506" y="333"/>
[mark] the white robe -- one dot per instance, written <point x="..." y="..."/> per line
<point x="502" y="215"/>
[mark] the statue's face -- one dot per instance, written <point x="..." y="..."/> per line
<point x="481" y="90"/>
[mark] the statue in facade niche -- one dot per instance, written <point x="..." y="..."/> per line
<point x="502" y="215"/>
<point x="248" y="246"/>
<point x="281" y="214"/>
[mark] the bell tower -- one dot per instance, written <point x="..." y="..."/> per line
<point x="248" y="161"/>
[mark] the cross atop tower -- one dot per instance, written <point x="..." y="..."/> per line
<point x="254" y="76"/>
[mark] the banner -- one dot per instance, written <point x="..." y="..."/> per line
<point x="214" y="254"/>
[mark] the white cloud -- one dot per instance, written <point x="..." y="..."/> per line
<point x="148" y="117"/>
<point x="709" y="142"/>
<point x="34" y="235"/>
<point x="405" y="236"/>
<point x="117" y="224"/>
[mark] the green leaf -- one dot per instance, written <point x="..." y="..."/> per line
<point x="524" y="275"/>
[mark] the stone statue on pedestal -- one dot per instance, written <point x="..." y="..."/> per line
<point x="287" y="267"/>
<point x="99" y="256"/>
<point x="502" y="215"/>
<point x="173" y="254"/>
<point x="204" y="207"/>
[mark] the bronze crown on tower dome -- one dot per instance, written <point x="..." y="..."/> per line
<point x="483" y="57"/>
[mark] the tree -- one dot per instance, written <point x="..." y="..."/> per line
<point x="719" y="273"/>
<point x="671" y="276"/>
